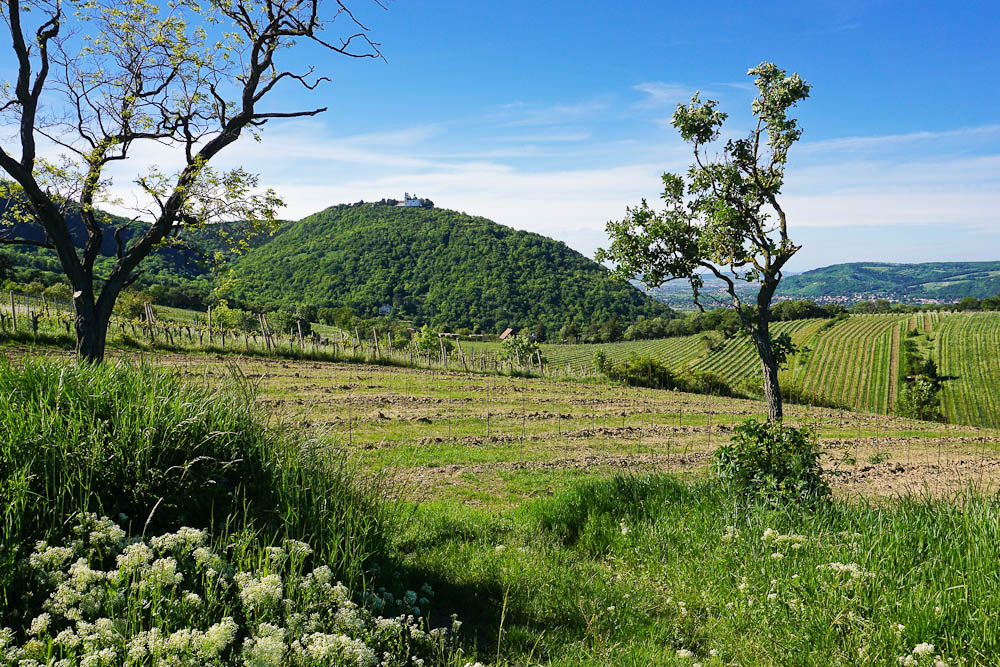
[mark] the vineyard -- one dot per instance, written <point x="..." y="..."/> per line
<point x="966" y="348"/>
<point x="853" y="363"/>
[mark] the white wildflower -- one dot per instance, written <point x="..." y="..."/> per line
<point x="267" y="649"/>
<point x="298" y="549"/>
<point x="259" y="592"/>
<point x="162" y="574"/>
<point x="39" y="625"/>
<point x="135" y="556"/>
<point x="276" y="555"/>
<point x="684" y="653"/>
<point x="185" y="540"/>
<point x="49" y="558"/>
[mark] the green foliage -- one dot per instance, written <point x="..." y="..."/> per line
<point x="435" y="266"/>
<point x="519" y="348"/>
<point x="771" y="461"/>
<point x="131" y="304"/>
<point x="428" y="340"/>
<point x="919" y="399"/>
<point x="225" y="317"/>
<point x="137" y="444"/>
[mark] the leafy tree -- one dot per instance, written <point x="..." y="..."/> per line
<point x="428" y="340"/>
<point x="918" y="399"/>
<point x="132" y="304"/>
<point x="540" y="332"/>
<point x="518" y="348"/>
<point x="569" y="332"/>
<point x="104" y="78"/>
<point x="731" y="223"/>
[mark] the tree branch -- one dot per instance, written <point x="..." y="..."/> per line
<point x="5" y="240"/>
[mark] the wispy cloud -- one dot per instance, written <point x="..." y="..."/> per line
<point x="661" y="94"/>
<point x="519" y="114"/>
<point x="896" y="141"/>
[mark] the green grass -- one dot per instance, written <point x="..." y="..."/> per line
<point x="136" y="444"/>
<point x="631" y="570"/>
<point x="576" y="566"/>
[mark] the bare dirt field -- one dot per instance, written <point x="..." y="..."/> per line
<point x="495" y="440"/>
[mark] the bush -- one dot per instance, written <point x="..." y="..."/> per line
<point x="918" y="399"/>
<point x="771" y="461"/>
<point x="132" y="304"/>
<point x="518" y="348"/>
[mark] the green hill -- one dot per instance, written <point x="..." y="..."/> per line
<point x="176" y="276"/>
<point x="932" y="280"/>
<point x="434" y="265"/>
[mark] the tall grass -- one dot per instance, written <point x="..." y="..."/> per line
<point x="138" y="445"/>
<point x="634" y="570"/>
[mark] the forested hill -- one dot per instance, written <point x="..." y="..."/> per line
<point x="434" y="265"/>
<point x="933" y="280"/>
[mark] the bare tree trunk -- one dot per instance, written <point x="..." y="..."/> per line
<point x="92" y="320"/>
<point x="772" y="391"/>
<point x="91" y="334"/>
<point x="762" y="339"/>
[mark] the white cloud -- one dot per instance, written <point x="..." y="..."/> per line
<point x="661" y="94"/>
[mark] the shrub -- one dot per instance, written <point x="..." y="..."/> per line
<point x="918" y="399"/>
<point x="428" y="340"/>
<point x="518" y="348"/>
<point x="771" y="461"/>
<point x="132" y="304"/>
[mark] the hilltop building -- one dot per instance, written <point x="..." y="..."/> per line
<point x="409" y="201"/>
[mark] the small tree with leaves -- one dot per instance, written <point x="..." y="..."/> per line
<point x="725" y="218"/>
<point x="102" y="79"/>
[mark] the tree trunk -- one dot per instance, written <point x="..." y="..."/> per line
<point x="92" y="319"/>
<point x="772" y="391"/>
<point x="762" y="339"/>
<point x="91" y="335"/>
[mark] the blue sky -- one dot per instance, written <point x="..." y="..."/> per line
<point x="552" y="116"/>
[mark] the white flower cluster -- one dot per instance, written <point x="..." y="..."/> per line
<point x="852" y="570"/>
<point x="171" y="601"/>
<point x="793" y="541"/>
<point x="922" y="654"/>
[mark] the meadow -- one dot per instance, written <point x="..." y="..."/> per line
<point x="564" y="522"/>
<point x="851" y="362"/>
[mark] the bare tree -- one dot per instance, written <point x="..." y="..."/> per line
<point x="97" y="78"/>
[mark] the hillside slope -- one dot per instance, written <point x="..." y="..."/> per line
<point x="932" y="280"/>
<point x="435" y="265"/>
<point x="188" y="269"/>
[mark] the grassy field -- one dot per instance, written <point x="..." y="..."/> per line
<point x="853" y="363"/>
<point x="566" y="523"/>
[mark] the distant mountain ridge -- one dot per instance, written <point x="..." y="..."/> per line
<point x="930" y="280"/>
